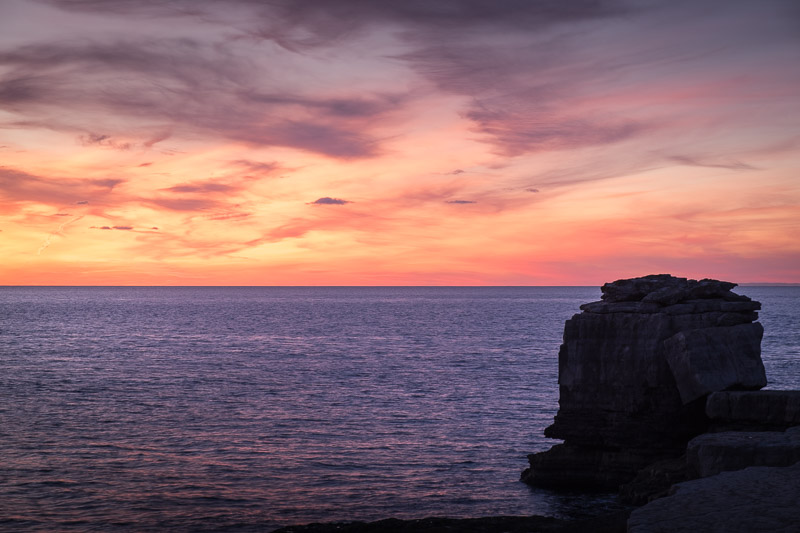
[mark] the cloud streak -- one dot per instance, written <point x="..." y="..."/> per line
<point x="58" y="231"/>
<point x="17" y="186"/>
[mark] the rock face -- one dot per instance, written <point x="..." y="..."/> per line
<point x="773" y="410"/>
<point x="712" y="453"/>
<point x="634" y="372"/>
<point x="753" y="500"/>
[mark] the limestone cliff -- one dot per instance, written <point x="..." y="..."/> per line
<point x="634" y="371"/>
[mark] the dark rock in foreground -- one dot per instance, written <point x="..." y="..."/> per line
<point x="748" y="428"/>
<point x="634" y="373"/>
<point x="611" y="523"/>
<point x="753" y="500"/>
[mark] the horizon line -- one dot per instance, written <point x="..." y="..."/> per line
<point x="748" y="284"/>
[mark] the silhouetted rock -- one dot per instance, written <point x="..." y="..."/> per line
<point x="664" y="289"/>
<point x="634" y="371"/>
<point x="714" y="359"/>
<point x="753" y="500"/>
<point x="766" y="410"/>
<point x="712" y="453"/>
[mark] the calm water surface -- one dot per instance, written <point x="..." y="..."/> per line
<point x="244" y="409"/>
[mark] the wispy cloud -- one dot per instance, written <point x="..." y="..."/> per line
<point x="190" y="85"/>
<point x="185" y="204"/>
<point x="20" y="186"/>
<point x="103" y="140"/>
<point x="258" y="167"/>
<point x="201" y="187"/>
<point x="59" y="231"/>
<point x="729" y="164"/>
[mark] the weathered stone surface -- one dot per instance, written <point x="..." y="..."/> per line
<point x="754" y="410"/>
<point x="655" y="481"/>
<point x="712" y="453"/>
<point x="714" y="359"/>
<point x="621" y="307"/>
<point x="566" y="466"/>
<point x="753" y="500"/>
<point x="627" y="290"/>
<point x="622" y="404"/>
<point x="664" y="289"/>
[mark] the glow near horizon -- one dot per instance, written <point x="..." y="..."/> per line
<point x="511" y="143"/>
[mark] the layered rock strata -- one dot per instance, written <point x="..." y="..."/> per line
<point x="634" y="372"/>
<point x="766" y="410"/>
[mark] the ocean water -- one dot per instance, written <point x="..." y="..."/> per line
<point x="245" y="409"/>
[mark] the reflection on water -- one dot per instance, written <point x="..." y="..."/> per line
<point x="247" y="409"/>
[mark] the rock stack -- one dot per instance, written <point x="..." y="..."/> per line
<point x="635" y="370"/>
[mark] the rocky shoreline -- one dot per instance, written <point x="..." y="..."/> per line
<point x="608" y="523"/>
<point x="659" y="399"/>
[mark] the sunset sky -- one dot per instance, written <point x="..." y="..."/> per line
<point x="385" y="142"/>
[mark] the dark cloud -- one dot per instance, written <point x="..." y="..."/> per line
<point x="126" y="228"/>
<point x="329" y="201"/>
<point x="202" y="80"/>
<point x="537" y="75"/>
<point x="196" y="87"/>
<point x="518" y="134"/>
<point x="110" y="183"/>
<point x="531" y="190"/>
<point x="157" y="138"/>
<point x="258" y="167"/>
<point x="307" y="24"/>
<point x="18" y="90"/>
<point x="103" y="140"/>
<point x="341" y="108"/>
<point x="101" y="227"/>
<point x="460" y="202"/>
<point x="346" y="13"/>
<point x="20" y="186"/>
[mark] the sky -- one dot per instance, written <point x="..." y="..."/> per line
<point x="377" y="142"/>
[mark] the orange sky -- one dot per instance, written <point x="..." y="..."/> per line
<point x="386" y="143"/>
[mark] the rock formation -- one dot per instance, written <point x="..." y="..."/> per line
<point x="634" y="373"/>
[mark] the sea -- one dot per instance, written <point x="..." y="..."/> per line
<point x="252" y="408"/>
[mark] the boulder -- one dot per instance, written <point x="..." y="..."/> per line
<point x="634" y="371"/>
<point x="753" y="500"/>
<point x="715" y="359"/>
